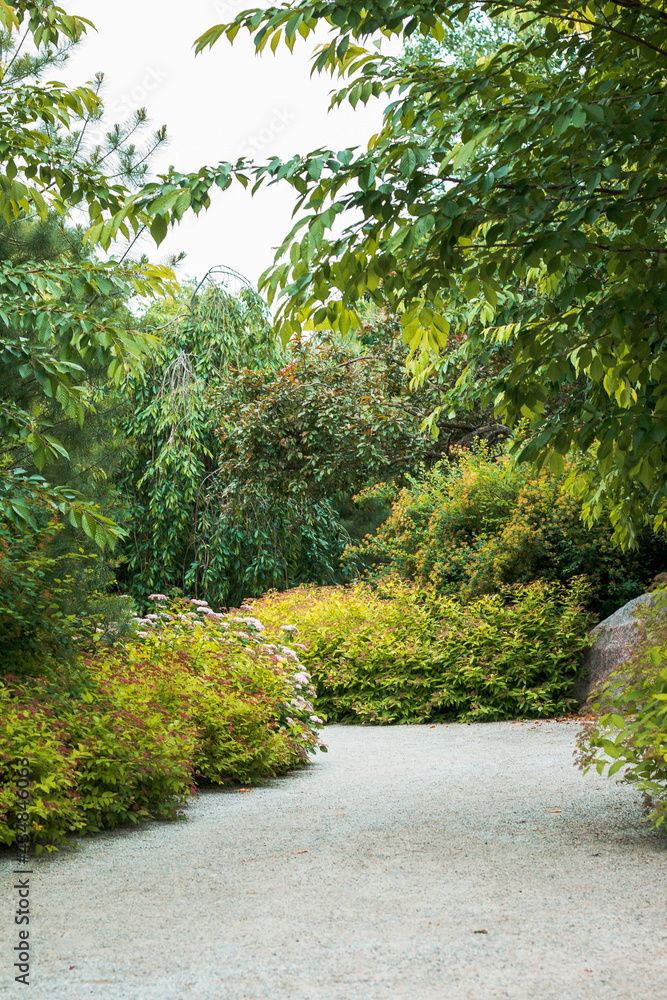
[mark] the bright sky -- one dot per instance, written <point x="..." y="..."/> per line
<point x="221" y="104"/>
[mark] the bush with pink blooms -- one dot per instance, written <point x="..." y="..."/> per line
<point x="196" y="697"/>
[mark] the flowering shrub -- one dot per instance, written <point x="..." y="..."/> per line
<point x="197" y="696"/>
<point x="630" y="733"/>
<point x="398" y="655"/>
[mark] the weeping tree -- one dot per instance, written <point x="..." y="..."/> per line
<point x="189" y="530"/>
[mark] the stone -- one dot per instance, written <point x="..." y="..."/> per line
<point x="614" y="639"/>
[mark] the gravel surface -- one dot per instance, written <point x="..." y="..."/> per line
<point x="452" y="862"/>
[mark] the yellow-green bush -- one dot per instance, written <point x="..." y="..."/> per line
<point x="475" y="525"/>
<point x="399" y="655"/>
<point x="196" y="697"/>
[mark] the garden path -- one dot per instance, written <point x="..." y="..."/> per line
<point x="451" y="862"/>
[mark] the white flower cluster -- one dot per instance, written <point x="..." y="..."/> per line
<point x="166" y="623"/>
<point x="252" y="622"/>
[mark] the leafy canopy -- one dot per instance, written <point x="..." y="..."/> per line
<point x="538" y="172"/>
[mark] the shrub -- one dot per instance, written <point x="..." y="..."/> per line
<point x="196" y="697"/>
<point x="51" y="598"/>
<point x="631" y="729"/>
<point x="34" y="628"/>
<point x="397" y="655"/>
<point x="475" y="525"/>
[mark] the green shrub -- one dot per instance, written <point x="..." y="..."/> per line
<point x="52" y="599"/>
<point x="631" y="729"/>
<point x="196" y="697"/>
<point x="397" y="655"/>
<point x="34" y="628"/>
<point x="475" y="525"/>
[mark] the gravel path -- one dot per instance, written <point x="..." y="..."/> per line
<point x="370" y="876"/>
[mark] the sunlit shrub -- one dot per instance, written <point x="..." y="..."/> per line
<point x="195" y="697"/>
<point x="482" y="522"/>
<point x="398" y="655"/>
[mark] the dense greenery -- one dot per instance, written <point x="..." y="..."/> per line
<point x="167" y="419"/>
<point x="62" y="320"/>
<point x="503" y="236"/>
<point x="471" y="527"/>
<point x="194" y="697"/>
<point x="515" y="201"/>
<point x="34" y="629"/>
<point x="241" y="459"/>
<point x="398" y="655"/>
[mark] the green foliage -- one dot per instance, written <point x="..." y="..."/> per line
<point x="398" y="655"/>
<point x="515" y="201"/>
<point x="630" y="733"/>
<point x="35" y="631"/>
<point x="200" y="523"/>
<point x="472" y="526"/>
<point x="250" y="540"/>
<point x="196" y="697"/>
<point x="329" y="421"/>
<point x="53" y="599"/>
<point x="59" y="307"/>
<point x="235" y="473"/>
<point x="169" y="422"/>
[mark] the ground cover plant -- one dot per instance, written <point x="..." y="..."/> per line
<point x="473" y="525"/>
<point x="396" y="654"/>
<point x="130" y="731"/>
<point x="629" y="735"/>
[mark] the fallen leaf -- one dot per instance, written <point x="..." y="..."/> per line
<point x="554" y="810"/>
<point x="480" y="932"/>
<point x="245" y="789"/>
<point x="431" y="727"/>
<point x="302" y="852"/>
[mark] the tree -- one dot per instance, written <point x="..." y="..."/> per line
<point x="537" y="172"/>
<point x="168" y="421"/>
<point x="242" y="459"/>
<point x="59" y="305"/>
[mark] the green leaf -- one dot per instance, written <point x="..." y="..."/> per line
<point x="408" y="163"/>
<point x="159" y="228"/>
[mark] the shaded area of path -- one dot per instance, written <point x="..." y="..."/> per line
<point x="366" y="878"/>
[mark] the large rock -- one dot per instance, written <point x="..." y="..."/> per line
<point x="614" y="639"/>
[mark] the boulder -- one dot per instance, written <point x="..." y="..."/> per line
<point x="614" y="639"/>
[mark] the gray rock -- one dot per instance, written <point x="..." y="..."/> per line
<point x="614" y="639"/>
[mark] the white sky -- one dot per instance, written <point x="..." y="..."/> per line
<point x="217" y="106"/>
